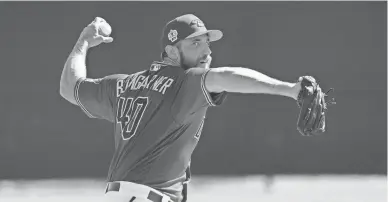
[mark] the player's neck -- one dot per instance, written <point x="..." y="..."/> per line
<point x="170" y="61"/>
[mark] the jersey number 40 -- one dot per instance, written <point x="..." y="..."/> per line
<point x="129" y="114"/>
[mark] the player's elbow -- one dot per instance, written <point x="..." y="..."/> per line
<point x="66" y="91"/>
<point x="62" y="90"/>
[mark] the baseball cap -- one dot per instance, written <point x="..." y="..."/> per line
<point x="184" y="27"/>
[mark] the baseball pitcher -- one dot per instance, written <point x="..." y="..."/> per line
<point x="158" y="113"/>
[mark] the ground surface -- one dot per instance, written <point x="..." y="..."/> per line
<point x="206" y="189"/>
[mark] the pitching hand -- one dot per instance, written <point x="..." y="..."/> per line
<point x="91" y="33"/>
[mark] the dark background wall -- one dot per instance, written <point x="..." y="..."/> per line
<point x="342" y="44"/>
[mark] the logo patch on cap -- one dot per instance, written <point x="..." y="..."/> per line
<point x="197" y="22"/>
<point x="173" y="35"/>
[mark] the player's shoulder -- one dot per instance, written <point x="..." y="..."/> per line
<point x="105" y="79"/>
<point x="115" y="77"/>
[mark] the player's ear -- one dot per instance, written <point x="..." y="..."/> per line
<point x="172" y="52"/>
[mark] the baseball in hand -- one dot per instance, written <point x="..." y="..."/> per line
<point x="104" y="29"/>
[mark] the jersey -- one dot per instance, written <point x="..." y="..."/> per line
<point x="158" y="116"/>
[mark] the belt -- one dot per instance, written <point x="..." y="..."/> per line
<point x="152" y="195"/>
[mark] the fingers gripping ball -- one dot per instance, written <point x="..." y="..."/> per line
<point x="104" y="29"/>
<point x="97" y="32"/>
<point x="313" y="107"/>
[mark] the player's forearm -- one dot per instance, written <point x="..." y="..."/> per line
<point x="244" y="80"/>
<point x="75" y="68"/>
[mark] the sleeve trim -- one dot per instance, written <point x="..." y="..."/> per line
<point x="76" y="97"/>
<point x="205" y="92"/>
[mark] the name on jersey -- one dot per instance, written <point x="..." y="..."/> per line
<point x="138" y="81"/>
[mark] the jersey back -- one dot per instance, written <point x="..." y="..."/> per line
<point x="158" y="115"/>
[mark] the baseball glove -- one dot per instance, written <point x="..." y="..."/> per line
<point x="312" y="104"/>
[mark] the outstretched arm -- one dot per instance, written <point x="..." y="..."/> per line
<point x="245" y="80"/>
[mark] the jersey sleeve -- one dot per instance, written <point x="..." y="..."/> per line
<point x="193" y="95"/>
<point x="97" y="97"/>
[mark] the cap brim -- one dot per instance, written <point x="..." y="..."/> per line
<point x="214" y="35"/>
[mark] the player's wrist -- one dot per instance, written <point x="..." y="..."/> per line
<point x="81" y="46"/>
<point x="295" y="89"/>
<point x="286" y="89"/>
